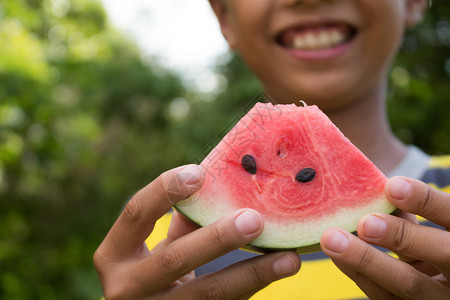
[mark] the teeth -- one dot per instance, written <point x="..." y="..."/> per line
<point x="310" y="40"/>
<point x="322" y="40"/>
<point x="337" y="37"/>
<point x="325" y="40"/>
<point x="299" y="42"/>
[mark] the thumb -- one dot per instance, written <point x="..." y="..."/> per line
<point x="139" y="216"/>
<point x="187" y="181"/>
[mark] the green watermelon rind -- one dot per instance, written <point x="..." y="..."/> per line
<point x="265" y="243"/>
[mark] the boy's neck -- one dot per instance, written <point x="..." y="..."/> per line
<point x="365" y="123"/>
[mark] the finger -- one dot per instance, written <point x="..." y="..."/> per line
<point x="419" y="198"/>
<point x="425" y="268"/>
<point x="418" y="264"/>
<point x="413" y="219"/>
<point x="242" y="279"/>
<point x="199" y="247"/>
<point x="408" y="239"/>
<point x="248" y="295"/>
<point x="189" y="276"/>
<point x="407" y="216"/>
<point x="369" y="287"/>
<point x="137" y="220"/>
<point x="180" y="226"/>
<point x="391" y="274"/>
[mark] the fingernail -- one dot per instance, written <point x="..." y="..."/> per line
<point x="247" y="222"/>
<point x="284" y="265"/>
<point x="337" y="242"/>
<point x="190" y="175"/>
<point x="399" y="188"/>
<point x="374" y="227"/>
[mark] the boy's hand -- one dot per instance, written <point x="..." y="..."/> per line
<point x="128" y="270"/>
<point x="423" y="272"/>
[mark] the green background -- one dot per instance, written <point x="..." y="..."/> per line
<point x="85" y="122"/>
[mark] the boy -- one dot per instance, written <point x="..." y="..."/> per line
<point x="335" y="54"/>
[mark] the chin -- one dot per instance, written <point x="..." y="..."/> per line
<point x="330" y="91"/>
<point x="327" y="98"/>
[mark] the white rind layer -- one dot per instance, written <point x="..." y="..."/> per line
<point x="287" y="234"/>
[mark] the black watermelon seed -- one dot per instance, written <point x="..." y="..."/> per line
<point x="249" y="164"/>
<point x="306" y="175"/>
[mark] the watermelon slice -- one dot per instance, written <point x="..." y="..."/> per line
<point x="295" y="167"/>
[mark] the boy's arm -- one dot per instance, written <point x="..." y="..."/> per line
<point x="423" y="270"/>
<point x="128" y="270"/>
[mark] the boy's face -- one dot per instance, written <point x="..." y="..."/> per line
<point x="328" y="53"/>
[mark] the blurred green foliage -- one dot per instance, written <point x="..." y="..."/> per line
<point x="85" y="121"/>
<point x="419" y="99"/>
<point x="82" y="126"/>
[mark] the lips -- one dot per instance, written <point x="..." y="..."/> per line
<point x="316" y="37"/>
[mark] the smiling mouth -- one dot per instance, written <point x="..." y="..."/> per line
<point x="313" y="38"/>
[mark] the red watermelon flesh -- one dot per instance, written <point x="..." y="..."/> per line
<point x="295" y="167"/>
